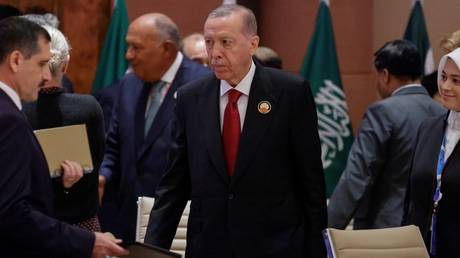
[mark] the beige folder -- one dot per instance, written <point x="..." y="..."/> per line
<point x="65" y="143"/>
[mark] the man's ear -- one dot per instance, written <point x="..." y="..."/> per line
<point x="254" y="42"/>
<point x="169" y="47"/>
<point x="386" y="76"/>
<point x="15" y="60"/>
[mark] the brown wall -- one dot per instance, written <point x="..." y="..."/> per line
<point x="360" y="26"/>
<point x="287" y="26"/>
<point x="84" y="22"/>
<point x="391" y="16"/>
<point x="189" y="15"/>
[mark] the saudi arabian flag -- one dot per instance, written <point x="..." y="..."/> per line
<point x="112" y="63"/>
<point x="321" y="69"/>
<point x="417" y="33"/>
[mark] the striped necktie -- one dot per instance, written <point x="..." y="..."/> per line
<point x="153" y="104"/>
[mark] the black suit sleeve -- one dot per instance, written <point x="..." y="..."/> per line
<point x="309" y="177"/>
<point x="19" y="221"/>
<point x="173" y="190"/>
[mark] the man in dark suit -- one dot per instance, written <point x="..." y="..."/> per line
<point x="140" y="133"/>
<point x="27" y="226"/>
<point x="372" y="187"/>
<point x="246" y="152"/>
<point x="107" y="98"/>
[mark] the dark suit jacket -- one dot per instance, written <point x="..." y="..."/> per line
<point x="27" y="228"/>
<point x="423" y="184"/>
<point x="107" y="98"/>
<point x="132" y="165"/>
<point x="274" y="206"/>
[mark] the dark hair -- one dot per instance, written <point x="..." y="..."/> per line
<point x="400" y="58"/>
<point x="430" y="82"/>
<point x="17" y="33"/>
<point x="7" y="10"/>
<point x="249" y="19"/>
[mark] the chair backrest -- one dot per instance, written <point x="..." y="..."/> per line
<point x="398" y="242"/>
<point x="144" y="206"/>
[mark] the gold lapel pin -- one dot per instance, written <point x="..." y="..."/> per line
<point x="264" y="107"/>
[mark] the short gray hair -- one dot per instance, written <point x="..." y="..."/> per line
<point x="167" y="30"/>
<point x="59" y="46"/>
<point x="249" y="19"/>
<point x="43" y="19"/>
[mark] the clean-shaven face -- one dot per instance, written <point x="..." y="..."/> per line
<point x="145" y="51"/>
<point x="33" y="72"/>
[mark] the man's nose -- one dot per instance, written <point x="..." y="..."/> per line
<point x="215" y="51"/>
<point x="129" y="54"/>
<point x="46" y="74"/>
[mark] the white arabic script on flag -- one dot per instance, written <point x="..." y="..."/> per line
<point x="333" y="120"/>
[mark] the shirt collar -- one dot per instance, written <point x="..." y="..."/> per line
<point x="244" y="86"/>
<point x="171" y="72"/>
<point x="405" y="87"/>
<point x="12" y="94"/>
<point x="453" y="120"/>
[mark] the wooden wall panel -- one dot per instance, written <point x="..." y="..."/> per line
<point x="23" y="5"/>
<point x="361" y="26"/>
<point x="286" y="26"/>
<point x="189" y="15"/>
<point x="391" y="16"/>
<point x="85" y="23"/>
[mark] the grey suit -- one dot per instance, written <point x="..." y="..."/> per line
<point x="373" y="185"/>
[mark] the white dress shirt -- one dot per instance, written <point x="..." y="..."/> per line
<point x="12" y="94"/>
<point x="404" y="87"/>
<point x="167" y="77"/>
<point x="452" y="132"/>
<point x="244" y="87"/>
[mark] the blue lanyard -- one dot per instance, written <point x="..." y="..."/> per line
<point x="437" y="195"/>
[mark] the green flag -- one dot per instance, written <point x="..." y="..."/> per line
<point x="321" y="68"/>
<point x="112" y="63"/>
<point x="417" y="33"/>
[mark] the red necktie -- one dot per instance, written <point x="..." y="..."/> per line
<point x="231" y="130"/>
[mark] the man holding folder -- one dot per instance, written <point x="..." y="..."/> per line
<point x="27" y="226"/>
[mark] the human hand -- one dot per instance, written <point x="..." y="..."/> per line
<point x="101" y="187"/>
<point x="105" y="245"/>
<point x="72" y="172"/>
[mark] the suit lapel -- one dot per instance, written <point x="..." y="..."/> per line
<point x="210" y="115"/>
<point x="140" y="95"/>
<point x="255" y="123"/>
<point x="165" y="112"/>
<point x="453" y="156"/>
<point x="432" y="144"/>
